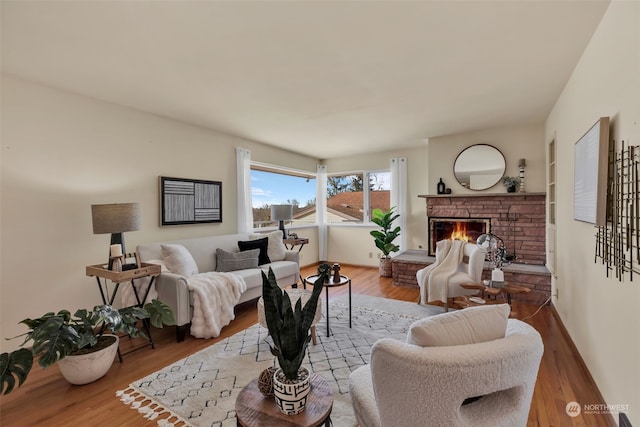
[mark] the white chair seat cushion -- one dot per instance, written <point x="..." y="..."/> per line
<point x="469" y="326"/>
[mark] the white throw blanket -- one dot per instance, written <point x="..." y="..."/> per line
<point x="434" y="279"/>
<point x="127" y="296"/>
<point x="214" y="298"/>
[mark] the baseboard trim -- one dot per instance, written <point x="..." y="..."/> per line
<point x="579" y="359"/>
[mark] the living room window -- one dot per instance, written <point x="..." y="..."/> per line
<point x="271" y="185"/>
<point x="352" y="196"/>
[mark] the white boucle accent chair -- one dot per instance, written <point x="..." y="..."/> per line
<point x="456" y="263"/>
<point x="409" y="385"/>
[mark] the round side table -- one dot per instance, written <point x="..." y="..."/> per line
<point x="344" y="280"/>
<point x="255" y="410"/>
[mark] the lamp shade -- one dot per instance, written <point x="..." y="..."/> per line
<point x="115" y="218"/>
<point x="281" y="212"/>
<point x="522" y="163"/>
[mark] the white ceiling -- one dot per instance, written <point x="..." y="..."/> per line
<point x="322" y="78"/>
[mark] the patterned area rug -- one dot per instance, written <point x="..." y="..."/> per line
<point x="201" y="390"/>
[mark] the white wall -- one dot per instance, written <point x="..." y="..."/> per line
<point x="518" y="142"/>
<point x="600" y="313"/>
<point x="61" y="153"/>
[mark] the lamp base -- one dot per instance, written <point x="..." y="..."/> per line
<point x="281" y="228"/>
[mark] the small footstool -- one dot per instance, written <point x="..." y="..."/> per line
<point x="295" y="295"/>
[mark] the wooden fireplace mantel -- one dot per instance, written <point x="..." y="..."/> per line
<point x="428" y="196"/>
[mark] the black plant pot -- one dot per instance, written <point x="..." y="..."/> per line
<point x="511" y="189"/>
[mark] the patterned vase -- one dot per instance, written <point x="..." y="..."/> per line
<point x="292" y="398"/>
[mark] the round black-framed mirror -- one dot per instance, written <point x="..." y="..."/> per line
<point x="479" y="167"/>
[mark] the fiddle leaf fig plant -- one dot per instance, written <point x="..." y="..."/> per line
<point x="289" y="327"/>
<point x="384" y="238"/>
<point x="55" y="336"/>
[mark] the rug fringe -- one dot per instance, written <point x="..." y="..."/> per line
<point x="150" y="409"/>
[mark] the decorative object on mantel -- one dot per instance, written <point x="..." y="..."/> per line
<point x="384" y="238"/>
<point x="440" y="187"/>
<point x="190" y="201"/>
<point x="618" y="242"/>
<point x="115" y="219"/>
<point x="511" y="183"/>
<point x="522" y="163"/>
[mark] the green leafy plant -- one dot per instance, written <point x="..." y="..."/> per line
<point x="289" y="328"/>
<point x="384" y="238"/>
<point x="510" y="181"/>
<point x="55" y="336"/>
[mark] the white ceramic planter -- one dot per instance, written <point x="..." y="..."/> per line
<point x="86" y="368"/>
<point x="291" y="398"/>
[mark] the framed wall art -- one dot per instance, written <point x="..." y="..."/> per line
<point x="190" y="201"/>
<point x="590" y="174"/>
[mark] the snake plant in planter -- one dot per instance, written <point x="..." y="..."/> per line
<point x="289" y="329"/>
<point x="384" y="238"/>
<point x="60" y="337"/>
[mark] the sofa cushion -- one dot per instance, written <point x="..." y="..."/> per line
<point x="468" y="326"/>
<point x="261" y="244"/>
<point x="178" y="260"/>
<point x="232" y="261"/>
<point x="275" y="249"/>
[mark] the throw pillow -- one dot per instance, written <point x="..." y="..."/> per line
<point x="261" y="244"/>
<point x="179" y="260"/>
<point x="275" y="249"/>
<point x="229" y="261"/>
<point x="469" y="326"/>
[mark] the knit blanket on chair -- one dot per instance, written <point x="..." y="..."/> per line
<point x="449" y="254"/>
<point x="214" y="297"/>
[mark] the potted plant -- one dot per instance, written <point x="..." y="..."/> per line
<point x="72" y="340"/>
<point x="384" y="238"/>
<point x="511" y="182"/>
<point x="289" y="330"/>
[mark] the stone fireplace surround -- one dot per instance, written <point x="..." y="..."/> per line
<point x="518" y="218"/>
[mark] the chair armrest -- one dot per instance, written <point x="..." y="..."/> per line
<point x="292" y="256"/>
<point x="173" y="291"/>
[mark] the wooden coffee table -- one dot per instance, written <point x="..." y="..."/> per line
<point x="253" y="409"/>
<point x="507" y="291"/>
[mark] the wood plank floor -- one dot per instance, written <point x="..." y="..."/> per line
<point x="46" y="399"/>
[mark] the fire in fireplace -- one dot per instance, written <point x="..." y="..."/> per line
<point x="467" y="229"/>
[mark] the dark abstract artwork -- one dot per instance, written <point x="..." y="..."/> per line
<point x="190" y="201"/>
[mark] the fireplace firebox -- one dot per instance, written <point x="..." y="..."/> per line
<point x="467" y="229"/>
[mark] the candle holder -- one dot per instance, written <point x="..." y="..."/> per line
<point x="116" y="263"/>
<point x="336" y="273"/>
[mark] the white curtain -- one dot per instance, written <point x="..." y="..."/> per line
<point x="245" y="209"/>
<point x="321" y="211"/>
<point x="399" y="197"/>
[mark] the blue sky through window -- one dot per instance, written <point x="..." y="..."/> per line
<point x="268" y="188"/>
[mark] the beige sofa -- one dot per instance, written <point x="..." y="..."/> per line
<point x="172" y="288"/>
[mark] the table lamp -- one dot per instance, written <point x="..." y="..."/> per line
<point x="282" y="213"/>
<point x="115" y="218"/>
